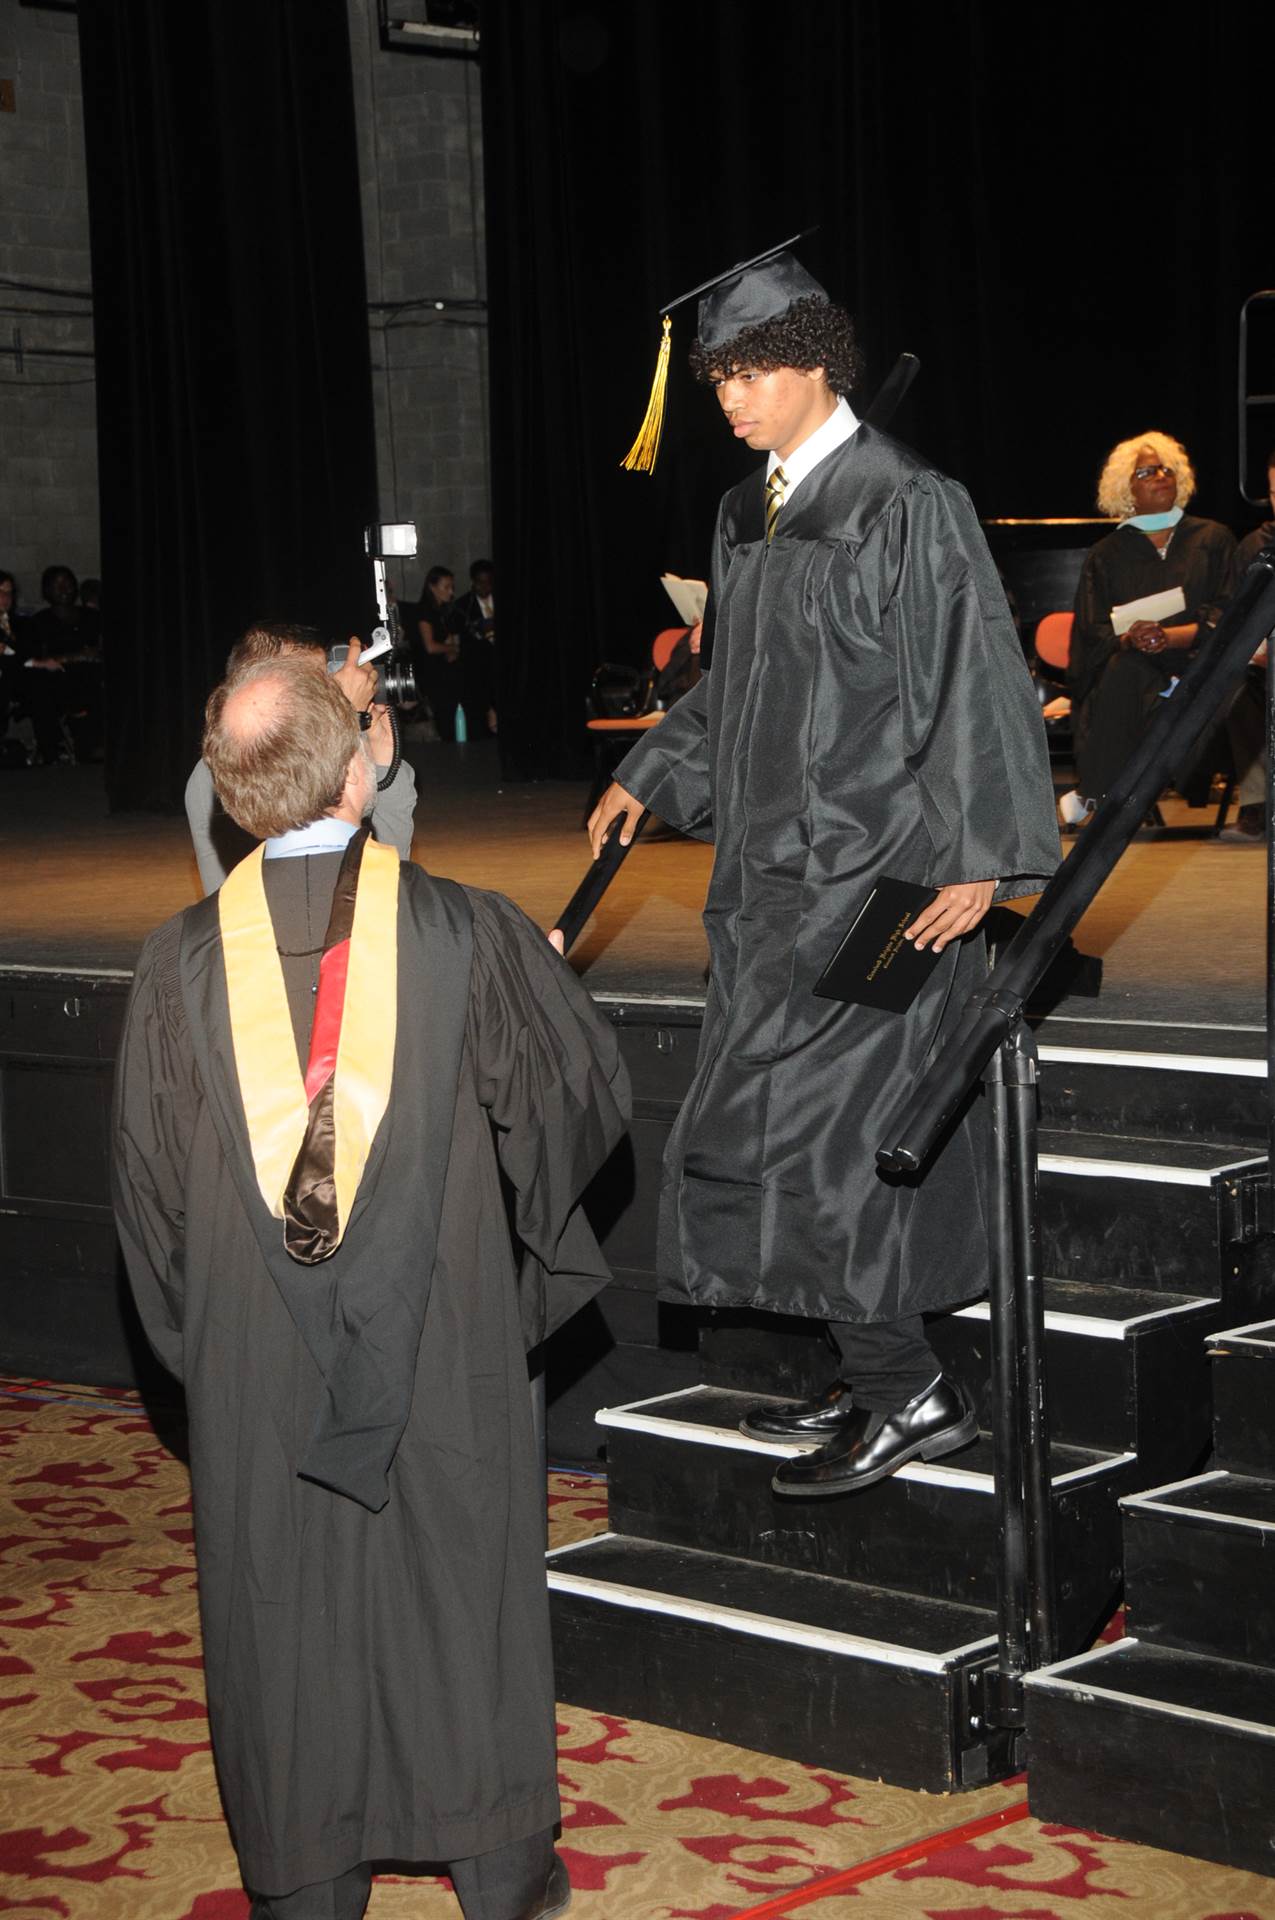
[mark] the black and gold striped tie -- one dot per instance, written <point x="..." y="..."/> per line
<point x="776" y="487"/>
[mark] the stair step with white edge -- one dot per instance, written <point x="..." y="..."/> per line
<point x="1242" y="1364"/>
<point x="683" y="1474"/>
<point x="1182" y="1084"/>
<point x="830" y="1672"/>
<point x="1154" y="1745"/>
<point x="1198" y="1557"/>
<point x="1125" y="1368"/>
<point x="1139" y="1212"/>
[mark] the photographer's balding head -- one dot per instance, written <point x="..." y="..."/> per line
<point x="285" y="749"/>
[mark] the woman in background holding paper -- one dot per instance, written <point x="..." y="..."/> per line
<point x="1148" y="594"/>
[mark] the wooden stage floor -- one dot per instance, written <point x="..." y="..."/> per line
<point x="1180" y="926"/>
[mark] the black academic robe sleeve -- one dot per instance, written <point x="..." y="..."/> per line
<point x="1093" y="638"/>
<point x="156" y="1098"/>
<point x="973" y="739"/>
<point x="550" y="1075"/>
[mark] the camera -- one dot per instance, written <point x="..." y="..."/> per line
<point x="386" y="651"/>
<point x="395" y="675"/>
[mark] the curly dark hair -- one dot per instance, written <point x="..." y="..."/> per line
<point x="813" y="333"/>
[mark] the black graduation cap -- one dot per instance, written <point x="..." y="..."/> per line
<point x="746" y="295"/>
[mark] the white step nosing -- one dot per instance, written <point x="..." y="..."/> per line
<point x="1172" y="1026"/>
<point x="1094" y="1328"/>
<point x="1174" y="1486"/>
<point x="763" y="1626"/>
<point x="602" y="1417"/>
<point x="1092" y="1471"/>
<point x="1246" y="1335"/>
<point x="611" y="997"/>
<point x="1201" y="1516"/>
<point x="731" y="1440"/>
<point x="574" y="1546"/>
<point x="1246" y="1068"/>
<point x="1085" y="1166"/>
<point x="1056" y="1679"/>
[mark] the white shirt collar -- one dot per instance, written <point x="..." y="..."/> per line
<point x="825" y="439"/>
<point x="321" y="836"/>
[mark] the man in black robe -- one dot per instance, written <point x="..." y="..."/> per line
<point x="867" y="713"/>
<point x="1246" y="718"/>
<point x="340" y="1082"/>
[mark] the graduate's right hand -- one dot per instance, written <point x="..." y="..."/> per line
<point x="614" y="802"/>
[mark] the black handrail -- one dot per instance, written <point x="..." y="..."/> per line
<point x="992" y="1009"/>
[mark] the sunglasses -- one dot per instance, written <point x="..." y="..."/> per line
<point x="1153" y="473"/>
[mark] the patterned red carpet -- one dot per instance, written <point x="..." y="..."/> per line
<point x="110" y="1808"/>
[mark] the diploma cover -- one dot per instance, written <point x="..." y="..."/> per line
<point x="875" y="966"/>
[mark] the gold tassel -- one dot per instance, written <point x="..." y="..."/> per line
<point x="640" y="457"/>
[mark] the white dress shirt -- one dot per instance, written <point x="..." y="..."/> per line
<point x="833" y="433"/>
<point x="321" y="836"/>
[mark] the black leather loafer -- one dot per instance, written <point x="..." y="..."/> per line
<point x="818" y="1419"/>
<point x="873" y="1445"/>
<point x="556" y="1897"/>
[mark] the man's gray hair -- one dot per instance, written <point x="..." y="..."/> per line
<point x="279" y="760"/>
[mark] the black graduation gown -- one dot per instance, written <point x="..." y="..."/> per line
<point x="1116" y="691"/>
<point x="379" y="1681"/>
<point x="867" y="712"/>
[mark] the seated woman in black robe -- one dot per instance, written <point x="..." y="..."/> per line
<point x="1117" y="680"/>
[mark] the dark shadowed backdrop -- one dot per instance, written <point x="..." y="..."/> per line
<point x="1060" y="211"/>
<point x="234" y="393"/>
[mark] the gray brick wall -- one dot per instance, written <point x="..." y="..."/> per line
<point x="420" y="141"/>
<point x="421" y="169"/>
<point x="48" y="431"/>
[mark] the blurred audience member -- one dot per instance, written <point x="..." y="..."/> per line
<point x="1117" y="681"/>
<point x="10" y="659"/>
<point x="91" y="595"/>
<point x="62" y="688"/>
<point x="437" y="652"/>
<point x="473" y="624"/>
<point x="1246" y="721"/>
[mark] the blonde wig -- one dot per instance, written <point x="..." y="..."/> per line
<point x="1115" y="490"/>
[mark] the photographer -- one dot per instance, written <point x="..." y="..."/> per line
<point x="345" y="1271"/>
<point x="219" y="843"/>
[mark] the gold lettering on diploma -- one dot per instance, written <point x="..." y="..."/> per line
<point x="890" y="948"/>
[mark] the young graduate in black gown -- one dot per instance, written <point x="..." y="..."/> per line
<point x="866" y="711"/>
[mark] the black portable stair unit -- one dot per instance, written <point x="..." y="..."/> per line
<point x="858" y="1633"/>
<point x="1168" y="1736"/>
<point x="891" y="1633"/>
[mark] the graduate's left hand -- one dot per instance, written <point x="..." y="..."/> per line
<point x="953" y="911"/>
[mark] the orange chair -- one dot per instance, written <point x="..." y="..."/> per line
<point x="612" y="738"/>
<point x="1053" y="651"/>
<point x="662" y="647"/>
<point x="1053" y="643"/>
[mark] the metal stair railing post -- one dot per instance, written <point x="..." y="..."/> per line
<point x="992" y="1039"/>
<point x="1270" y="929"/>
<point x="1020" y="1422"/>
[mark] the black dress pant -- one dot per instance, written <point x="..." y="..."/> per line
<point x="886" y="1362"/>
<point x="490" y="1886"/>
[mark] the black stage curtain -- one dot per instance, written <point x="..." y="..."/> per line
<point x="236" y="447"/>
<point x="1058" y="210"/>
